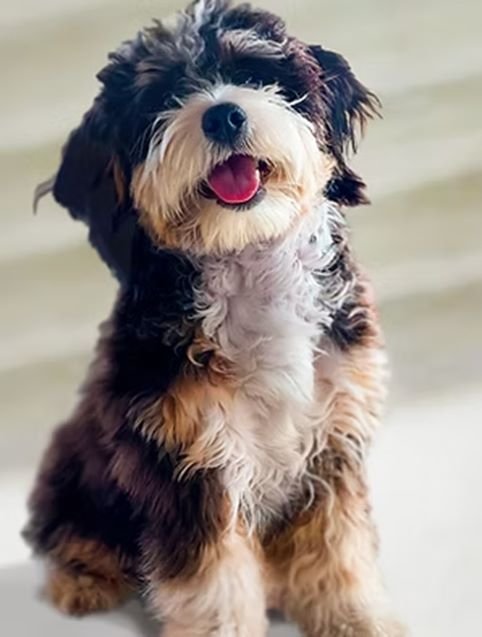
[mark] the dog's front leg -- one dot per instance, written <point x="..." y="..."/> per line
<point x="224" y="598"/>
<point x="331" y="584"/>
<point x="324" y="565"/>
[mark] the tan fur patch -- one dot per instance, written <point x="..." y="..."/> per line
<point x="86" y="576"/>
<point x="176" y="419"/>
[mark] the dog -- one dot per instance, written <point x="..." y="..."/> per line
<point x="215" y="462"/>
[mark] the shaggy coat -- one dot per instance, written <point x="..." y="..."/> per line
<point x="216" y="459"/>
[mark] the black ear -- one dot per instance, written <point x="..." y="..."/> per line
<point x="92" y="183"/>
<point x="348" y="105"/>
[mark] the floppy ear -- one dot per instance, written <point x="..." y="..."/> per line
<point x="348" y="105"/>
<point x="91" y="183"/>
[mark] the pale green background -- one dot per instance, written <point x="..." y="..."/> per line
<point x="421" y="240"/>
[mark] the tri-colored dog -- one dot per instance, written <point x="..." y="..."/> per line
<point x="216" y="459"/>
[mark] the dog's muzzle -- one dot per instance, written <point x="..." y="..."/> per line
<point x="236" y="180"/>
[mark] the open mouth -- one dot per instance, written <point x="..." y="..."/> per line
<point x="237" y="182"/>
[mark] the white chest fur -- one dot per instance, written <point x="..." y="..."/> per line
<point x="266" y="308"/>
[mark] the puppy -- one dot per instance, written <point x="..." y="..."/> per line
<point x="216" y="459"/>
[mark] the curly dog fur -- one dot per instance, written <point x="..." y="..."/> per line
<point x="216" y="459"/>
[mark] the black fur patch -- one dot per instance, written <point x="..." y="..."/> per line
<point x="85" y="185"/>
<point x="118" y="488"/>
<point x="151" y="327"/>
<point x="351" y="326"/>
<point x="75" y="497"/>
<point x="103" y="480"/>
<point x="346" y="187"/>
<point x="181" y="516"/>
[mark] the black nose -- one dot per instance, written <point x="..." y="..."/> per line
<point x="224" y="123"/>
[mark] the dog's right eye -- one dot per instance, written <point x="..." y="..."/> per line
<point x="171" y="103"/>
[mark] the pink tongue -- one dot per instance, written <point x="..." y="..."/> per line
<point x="235" y="181"/>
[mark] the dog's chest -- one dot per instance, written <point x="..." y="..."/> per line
<point x="266" y="309"/>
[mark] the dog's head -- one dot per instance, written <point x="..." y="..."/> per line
<point x="216" y="130"/>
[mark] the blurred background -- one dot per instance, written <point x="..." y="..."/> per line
<point x="421" y="240"/>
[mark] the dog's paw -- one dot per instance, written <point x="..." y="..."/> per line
<point x="79" y="594"/>
<point x="359" y="627"/>
<point x="381" y="627"/>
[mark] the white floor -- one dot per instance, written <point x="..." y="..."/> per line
<point x="426" y="478"/>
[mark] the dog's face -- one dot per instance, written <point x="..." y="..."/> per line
<point x="219" y="130"/>
<point x="234" y="164"/>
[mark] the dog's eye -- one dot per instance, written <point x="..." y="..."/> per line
<point x="252" y="83"/>
<point x="250" y="72"/>
<point x="171" y="102"/>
